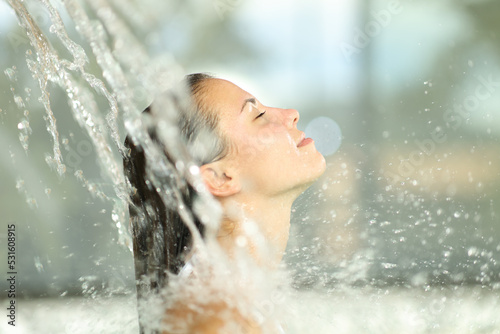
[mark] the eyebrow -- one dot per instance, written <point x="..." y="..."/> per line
<point x="251" y="100"/>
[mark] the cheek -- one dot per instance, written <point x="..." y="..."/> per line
<point x="273" y="136"/>
<point x="266" y="136"/>
<point x="267" y="146"/>
<point x="247" y="152"/>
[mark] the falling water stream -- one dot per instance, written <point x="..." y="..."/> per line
<point x="126" y="71"/>
<point x="123" y="68"/>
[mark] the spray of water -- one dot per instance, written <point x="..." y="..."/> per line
<point x="241" y="285"/>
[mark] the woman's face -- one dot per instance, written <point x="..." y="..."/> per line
<point x="264" y="148"/>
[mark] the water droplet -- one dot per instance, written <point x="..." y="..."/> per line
<point x="19" y="101"/>
<point x="38" y="264"/>
<point x="241" y="241"/>
<point x="20" y="184"/>
<point x="32" y="203"/>
<point x="11" y="73"/>
<point x="195" y="170"/>
<point x="472" y="251"/>
<point x="327" y="134"/>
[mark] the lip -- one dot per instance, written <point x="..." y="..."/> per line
<point x="303" y="141"/>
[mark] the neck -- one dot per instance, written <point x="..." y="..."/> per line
<point x="271" y="216"/>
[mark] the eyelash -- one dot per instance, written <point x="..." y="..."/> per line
<point x="262" y="113"/>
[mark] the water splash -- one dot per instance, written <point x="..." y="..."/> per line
<point x="123" y="73"/>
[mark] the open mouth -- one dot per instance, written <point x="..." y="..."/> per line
<point x="303" y="141"/>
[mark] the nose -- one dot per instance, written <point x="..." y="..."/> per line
<point x="292" y="118"/>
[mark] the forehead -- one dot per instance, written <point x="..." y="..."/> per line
<point x="225" y="97"/>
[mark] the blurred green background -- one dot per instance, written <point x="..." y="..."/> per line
<point x="411" y="197"/>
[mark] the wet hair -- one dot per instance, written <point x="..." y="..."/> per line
<point x="160" y="237"/>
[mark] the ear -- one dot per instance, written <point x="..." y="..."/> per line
<point x="220" y="182"/>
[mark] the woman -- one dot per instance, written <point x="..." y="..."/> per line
<point x="257" y="166"/>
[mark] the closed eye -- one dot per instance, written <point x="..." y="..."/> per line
<point x="262" y="113"/>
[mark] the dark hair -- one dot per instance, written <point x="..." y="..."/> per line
<point x="160" y="237"/>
